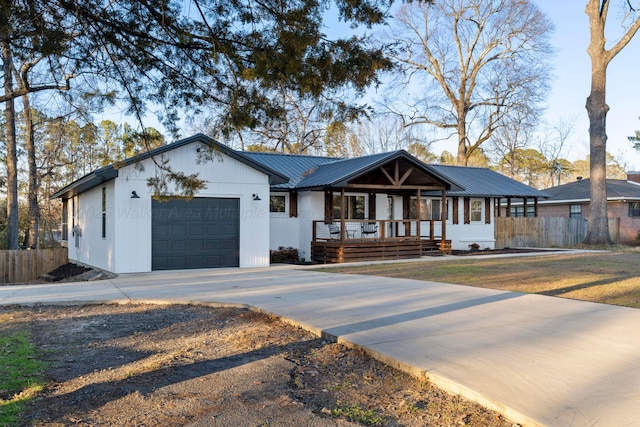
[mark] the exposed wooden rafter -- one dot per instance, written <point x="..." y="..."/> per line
<point x="405" y="176"/>
<point x="396" y="180"/>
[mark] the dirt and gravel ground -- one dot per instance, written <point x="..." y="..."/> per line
<point x="149" y="365"/>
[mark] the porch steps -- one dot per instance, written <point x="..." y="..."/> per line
<point x="431" y="246"/>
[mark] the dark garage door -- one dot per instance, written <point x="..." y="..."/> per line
<point x="199" y="233"/>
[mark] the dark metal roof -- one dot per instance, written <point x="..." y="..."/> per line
<point x="482" y="182"/>
<point x="110" y="172"/>
<point x="87" y="182"/>
<point x="338" y="173"/>
<point x="307" y="172"/>
<point x="295" y="167"/>
<point x="579" y="190"/>
<point x="329" y="174"/>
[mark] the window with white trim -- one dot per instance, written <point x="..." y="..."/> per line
<point x="476" y="210"/>
<point x="277" y="203"/>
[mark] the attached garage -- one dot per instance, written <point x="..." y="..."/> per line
<point x="120" y="226"/>
<point x="197" y="233"/>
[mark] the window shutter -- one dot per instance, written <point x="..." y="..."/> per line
<point x="293" y="204"/>
<point x="487" y="210"/>
<point x="467" y="210"/>
<point x="454" y="211"/>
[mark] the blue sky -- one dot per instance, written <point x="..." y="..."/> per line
<point x="572" y="80"/>
<point x="570" y="85"/>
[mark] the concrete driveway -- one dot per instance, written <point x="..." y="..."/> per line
<point x="538" y="360"/>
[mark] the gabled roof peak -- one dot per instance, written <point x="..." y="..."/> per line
<point x="110" y="172"/>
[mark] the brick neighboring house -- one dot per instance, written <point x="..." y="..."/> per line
<point x="573" y="200"/>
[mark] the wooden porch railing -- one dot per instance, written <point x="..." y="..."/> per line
<point x="388" y="229"/>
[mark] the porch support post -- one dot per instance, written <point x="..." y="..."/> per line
<point x="443" y="242"/>
<point x="535" y="207"/>
<point x="524" y="207"/>
<point x="342" y="222"/>
<point x="418" y="213"/>
<point x="499" y="207"/>
<point x="508" y="207"/>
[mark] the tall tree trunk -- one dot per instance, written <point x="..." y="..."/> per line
<point x="12" y="156"/>
<point x="462" y="158"/>
<point x="34" y="210"/>
<point x="597" y="109"/>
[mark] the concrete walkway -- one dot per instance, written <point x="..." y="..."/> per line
<point x="538" y="360"/>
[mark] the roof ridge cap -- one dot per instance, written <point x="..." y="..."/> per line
<point x="289" y="155"/>
<point x="460" y="166"/>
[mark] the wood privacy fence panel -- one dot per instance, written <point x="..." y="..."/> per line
<point x="22" y="266"/>
<point x="546" y="232"/>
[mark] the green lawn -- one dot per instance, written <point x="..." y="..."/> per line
<point x="20" y="372"/>
<point x="605" y="277"/>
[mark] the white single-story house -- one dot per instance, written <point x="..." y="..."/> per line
<point x="257" y="202"/>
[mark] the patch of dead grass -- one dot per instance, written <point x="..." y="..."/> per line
<point x="603" y="277"/>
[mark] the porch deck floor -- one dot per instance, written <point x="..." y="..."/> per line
<point x="354" y="250"/>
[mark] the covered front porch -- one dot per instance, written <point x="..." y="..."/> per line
<point x="368" y="240"/>
<point x="354" y="228"/>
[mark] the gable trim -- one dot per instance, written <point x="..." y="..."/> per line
<point x="108" y="173"/>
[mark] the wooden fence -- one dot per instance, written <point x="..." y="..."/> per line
<point x="546" y="232"/>
<point x="23" y="266"/>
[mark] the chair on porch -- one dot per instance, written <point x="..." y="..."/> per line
<point x="334" y="229"/>
<point x="369" y="228"/>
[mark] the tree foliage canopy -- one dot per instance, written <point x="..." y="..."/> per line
<point x="471" y="64"/>
<point x="230" y="55"/>
<point x="171" y="56"/>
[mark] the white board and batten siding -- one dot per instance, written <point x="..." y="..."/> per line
<point x="462" y="235"/>
<point x="284" y="229"/>
<point x="86" y="243"/>
<point x="131" y="219"/>
<point x="297" y="232"/>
